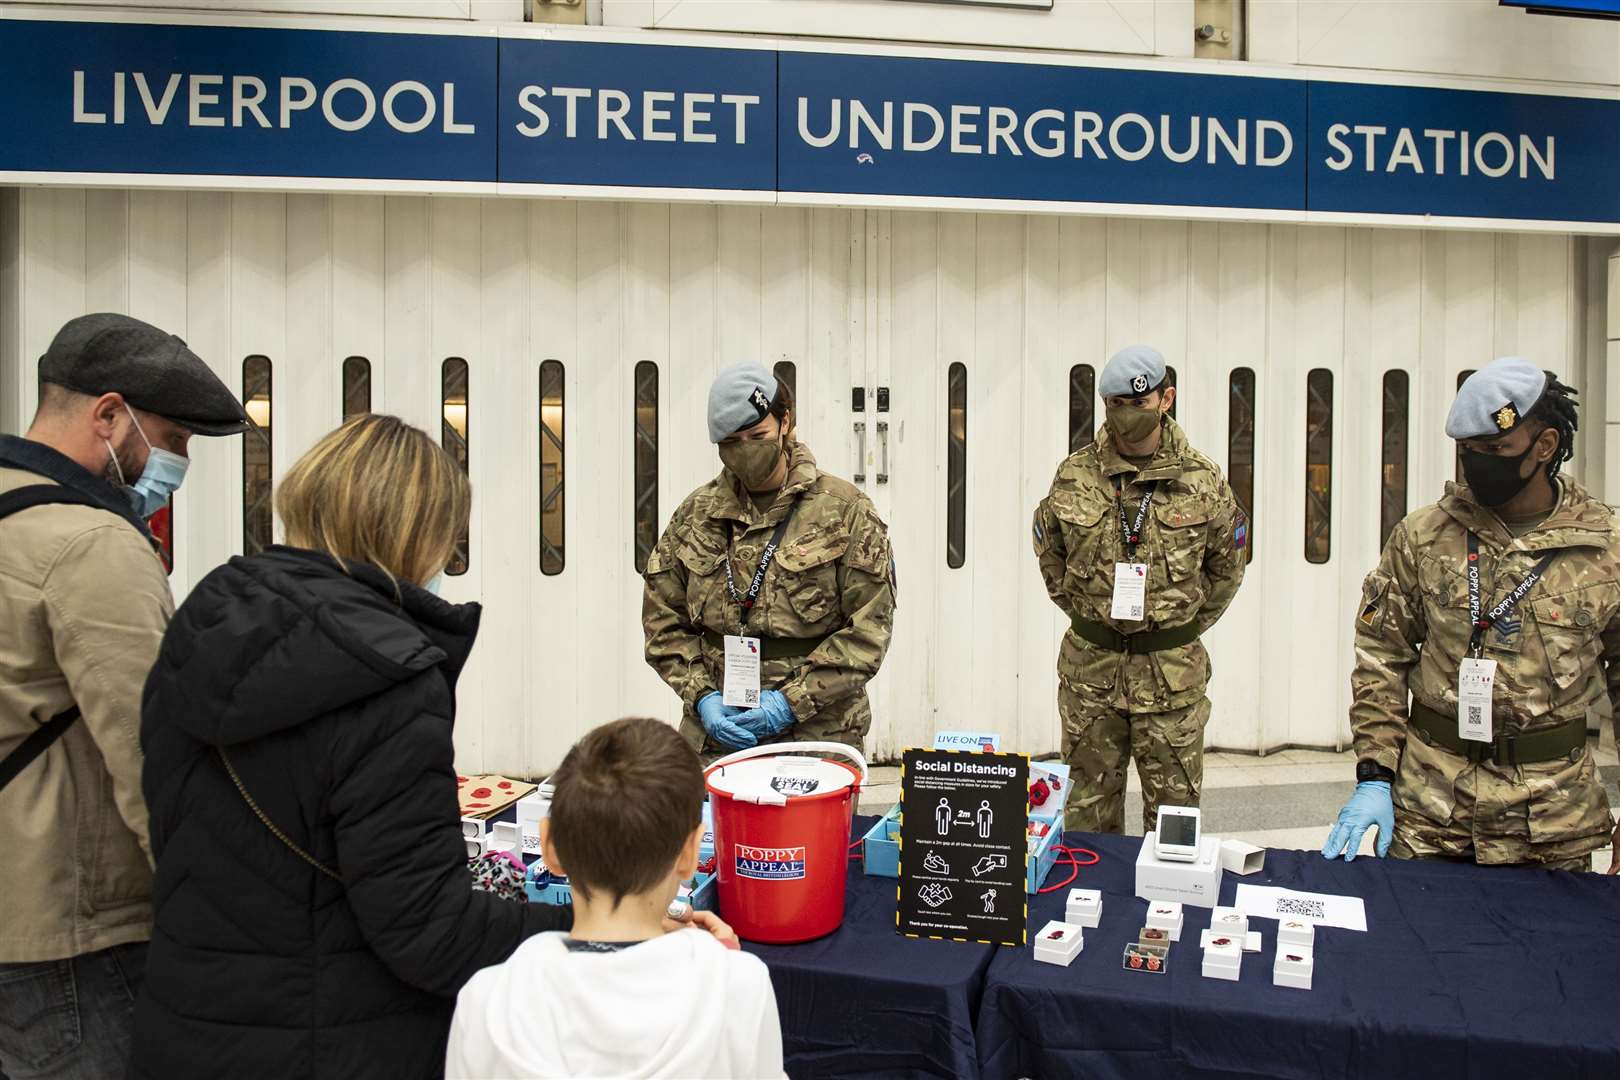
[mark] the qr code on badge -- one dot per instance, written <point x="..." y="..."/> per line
<point x="751" y="697"/>
<point x="1476" y="714"/>
<point x="1293" y="905"/>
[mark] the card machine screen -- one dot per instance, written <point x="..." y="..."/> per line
<point x="1178" y="829"/>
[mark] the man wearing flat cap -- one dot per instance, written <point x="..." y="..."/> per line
<point x="769" y="599"/>
<point x="83" y="605"/>
<point x="1489" y="629"/>
<point x="1142" y="546"/>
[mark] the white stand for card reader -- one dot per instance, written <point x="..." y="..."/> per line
<point x="1196" y="883"/>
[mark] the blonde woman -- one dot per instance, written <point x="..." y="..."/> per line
<point x="314" y="914"/>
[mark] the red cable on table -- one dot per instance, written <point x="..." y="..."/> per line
<point x="1068" y="859"/>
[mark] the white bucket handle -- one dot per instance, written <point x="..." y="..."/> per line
<point x="772" y="749"/>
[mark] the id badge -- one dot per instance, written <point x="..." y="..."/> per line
<point x="742" y="672"/>
<point x="1130" y="591"/>
<point x="1474" y="681"/>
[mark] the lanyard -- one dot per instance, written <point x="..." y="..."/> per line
<point x="1131" y="532"/>
<point x="1483" y="621"/>
<point x="766" y="557"/>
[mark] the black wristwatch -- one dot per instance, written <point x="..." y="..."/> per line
<point x="1368" y="769"/>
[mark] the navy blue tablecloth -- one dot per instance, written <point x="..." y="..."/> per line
<point x="866" y="1002"/>
<point x="1464" y="972"/>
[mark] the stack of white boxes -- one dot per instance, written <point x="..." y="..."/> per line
<point x="1165" y="915"/>
<point x="1084" y="908"/>
<point x="1224" y="943"/>
<point x="472" y="834"/>
<point x="1223" y="957"/>
<point x="1058" y="943"/>
<point x="1296" y="956"/>
<point x="1232" y="923"/>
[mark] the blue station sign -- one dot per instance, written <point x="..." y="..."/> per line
<point x="508" y="110"/>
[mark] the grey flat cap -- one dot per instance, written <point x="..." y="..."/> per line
<point x="1133" y="370"/>
<point x="740" y="397"/>
<point x="1495" y="399"/>
<point x="155" y="372"/>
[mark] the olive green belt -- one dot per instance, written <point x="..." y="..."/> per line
<point x="1145" y="641"/>
<point x="1505" y="750"/>
<point x="772" y="648"/>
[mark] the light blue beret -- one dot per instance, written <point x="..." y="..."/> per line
<point x="1496" y="398"/>
<point x="1133" y="370"/>
<point x="740" y="397"/>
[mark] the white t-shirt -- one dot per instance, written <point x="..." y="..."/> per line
<point x="680" y="1005"/>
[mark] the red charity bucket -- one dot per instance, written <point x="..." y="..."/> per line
<point x="781" y="838"/>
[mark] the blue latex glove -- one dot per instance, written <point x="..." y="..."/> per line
<point x="773" y="716"/>
<point x="719" y="721"/>
<point x="1369" y="805"/>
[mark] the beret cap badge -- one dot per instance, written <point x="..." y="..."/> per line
<point x="1506" y="417"/>
<point x="760" y="401"/>
<point x="1139" y="383"/>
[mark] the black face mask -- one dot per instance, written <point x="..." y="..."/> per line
<point x="1495" y="479"/>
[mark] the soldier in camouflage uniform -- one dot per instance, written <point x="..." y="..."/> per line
<point x="824" y="610"/>
<point x="1134" y="688"/>
<point x="1530" y="794"/>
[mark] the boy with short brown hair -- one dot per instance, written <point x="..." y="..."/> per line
<point x="620" y="995"/>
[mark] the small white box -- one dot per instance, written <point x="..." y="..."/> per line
<point x="1229" y="921"/>
<point x="1196" y="883"/>
<point x="475" y="845"/>
<point x="1223" y="948"/>
<point x="1084" y="908"/>
<point x="531" y="809"/>
<point x="1217" y="970"/>
<point x="1241" y="858"/>
<point x="1252" y="941"/>
<point x="504" y="836"/>
<point x="1294" y="968"/>
<point x="472" y="828"/>
<point x="1165" y="915"/>
<point x="1295" y="934"/>
<point x="1059" y="943"/>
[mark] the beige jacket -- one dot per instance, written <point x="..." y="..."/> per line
<point x="83" y="606"/>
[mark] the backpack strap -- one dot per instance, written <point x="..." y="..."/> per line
<point x="42" y="738"/>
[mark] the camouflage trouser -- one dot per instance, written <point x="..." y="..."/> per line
<point x="1549" y="813"/>
<point x="1099" y="743"/>
<point x="1400" y="850"/>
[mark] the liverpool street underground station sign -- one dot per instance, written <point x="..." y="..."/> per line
<point x="483" y="109"/>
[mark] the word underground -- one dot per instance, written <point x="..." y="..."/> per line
<point x="652" y="114"/>
<point x="347" y="104"/>
<point x="966" y="767"/>
<point x="1049" y="133"/>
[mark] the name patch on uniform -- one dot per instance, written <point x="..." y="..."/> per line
<point x="770" y="863"/>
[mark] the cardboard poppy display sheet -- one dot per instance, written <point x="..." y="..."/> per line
<point x="486" y="796"/>
<point x="964" y="820"/>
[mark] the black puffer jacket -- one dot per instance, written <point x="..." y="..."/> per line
<point x="334" y="703"/>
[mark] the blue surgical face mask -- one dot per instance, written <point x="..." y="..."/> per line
<point x="162" y="477"/>
<point x="435" y="583"/>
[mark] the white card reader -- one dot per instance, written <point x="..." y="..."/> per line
<point x="1179" y="834"/>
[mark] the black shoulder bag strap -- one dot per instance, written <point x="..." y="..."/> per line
<point x="40" y="740"/>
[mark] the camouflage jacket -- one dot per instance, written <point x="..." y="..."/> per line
<point x="1556" y="654"/>
<point x="1193" y="542"/>
<point x="831" y="580"/>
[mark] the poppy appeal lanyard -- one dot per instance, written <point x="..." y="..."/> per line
<point x="1131" y="531"/>
<point x="1484" y="620"/>
<point x="766" y="557"/>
